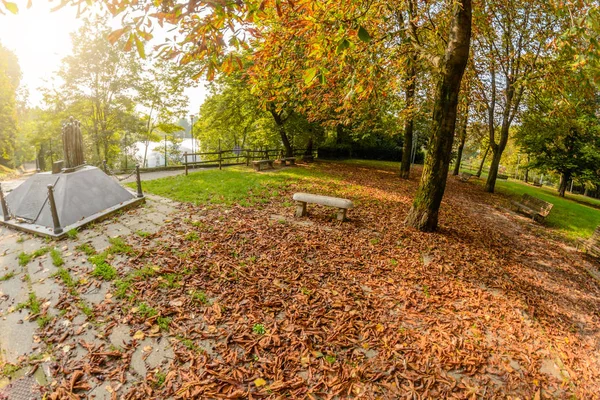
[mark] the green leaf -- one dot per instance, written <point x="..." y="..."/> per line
<point x="140" y="47"/>
<point x="309" y="75"/>
<point x="12" y="7"/>
<point x="364" y="35"/>
<point x="344" y="44"/>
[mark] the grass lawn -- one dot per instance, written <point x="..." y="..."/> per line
<point x="574" y="216"/>
<point x="232" y="185"/>
<point x="372" y="163"/>
<point x="569" y="216"/>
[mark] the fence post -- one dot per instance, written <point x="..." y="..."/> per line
<point x="185" y="160"/>
<point x="57" y="229"/>
<point x="104" y="166"/>
<point x="247" y="158"/>
<point x="219" y="154"/>
<point x="4" y="207"/>
<point x="139" y="181"/>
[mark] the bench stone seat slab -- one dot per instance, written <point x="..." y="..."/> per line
<point x="304" y="198"/>
<point x="323" y="200"/>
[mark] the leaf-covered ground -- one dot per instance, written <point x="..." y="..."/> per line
<point x="255" y="303"/>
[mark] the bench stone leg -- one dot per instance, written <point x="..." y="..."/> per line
<point x="300" y="209"/>
<point x="341" y="214"/>
<point x="292" y="162"/>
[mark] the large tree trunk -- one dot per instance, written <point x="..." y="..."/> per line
<point x="309" y="147"/>
<point x="423" y="214"/>
<point x="490" y="184"/>
<point x="411" y="83"/>
<point x="478" y="174"/>
<point x="280" y="126"/>
<point x="462" y="137"/>
<point x="564" y="182"/>
<point x="339" y="134"/>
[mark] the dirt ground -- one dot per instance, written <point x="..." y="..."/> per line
<point x="255" y="303"/>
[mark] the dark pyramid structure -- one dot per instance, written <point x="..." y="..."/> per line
<point x="80" y="194"/>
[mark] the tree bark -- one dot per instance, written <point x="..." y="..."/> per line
<point x="309" y="147"/>
<point x="487" y="150"/>
<point x="462" y="137"/>
<point x="409" y="123"/>
<point x="564" y="183"/>
<point x="280" y="126"/>
<point x="490" y="184"/>
<point x="42" y="157"/>
<point x="423" y="214"/>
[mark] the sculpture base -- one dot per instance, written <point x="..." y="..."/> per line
<point x="81" y="196"/>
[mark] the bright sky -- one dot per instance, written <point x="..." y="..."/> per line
<point x="40" y="39"/>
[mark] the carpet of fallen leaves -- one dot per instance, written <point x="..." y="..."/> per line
<point x="266" y="305"/>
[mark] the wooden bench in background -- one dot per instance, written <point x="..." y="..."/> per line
<point x="464" y="176"/>
<point x="592" y="245"/>
<point x="258" y="165"/>
<point x="536" y="208"/>
<point x="302" y="199"/>
<point x="537" y="184"/>
<point x="291" y="160"/>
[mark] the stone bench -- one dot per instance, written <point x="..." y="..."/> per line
<point x="502" y="177"/>
<point x="592" y="245"/>
<point x="537" y="184"/>
<point x="302" y="199"/>
<point x="291" y="160"/>
<point x="538" y="209"/>
<point x="258" y="165"/>
<point x="464" y="176"/>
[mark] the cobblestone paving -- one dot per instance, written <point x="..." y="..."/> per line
<point x="21" y="346"/>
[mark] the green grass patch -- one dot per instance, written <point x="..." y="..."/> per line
<point x="119" y="246"/>
<point x="104" y="271"/>
<point x="170" y="281"/>
<point x="568" y="215"/>
<point x="7" y="276"/>
<point x="24" y="258"/>
<point x="144" y="272"/>
<point x="85" y="309"/>
<point x="33" y="303"/>
<point x="9" y="369"/>
<point x="199" y="296"/>
<point x="163" y="323"/>
<point x="87" y="249"/>
<point x="192" y="236"/>
<point x="66" y="278"/>
<point x="143" y="234"/>
<point x="372" y="163"/>
<point x="44" y="320"/>
<point x="259" y="329"/>
<point x="72" y="233"/>
<point x="233" y="185"/>
<point x="57" y="259"/>
<point x="144" y="310"/>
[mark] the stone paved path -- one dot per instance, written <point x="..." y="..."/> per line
<point x="20" y="343"/>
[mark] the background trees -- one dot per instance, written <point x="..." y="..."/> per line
<point x="10" y="77"/>
<point x="512" y="36"/>
<point x="350" y="76"/>
<point x="560" y="131"/>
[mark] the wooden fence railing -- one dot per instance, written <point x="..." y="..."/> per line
<point x="241" y="156"/>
